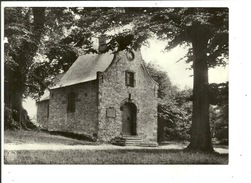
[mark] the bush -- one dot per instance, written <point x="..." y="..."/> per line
<point x="9" y="121"/>
<point x="173" y="123"/>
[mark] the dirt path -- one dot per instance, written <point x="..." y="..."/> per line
<point x="93" y="147"/>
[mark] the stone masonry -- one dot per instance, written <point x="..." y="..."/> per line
<point x="113" y="93"/>
<point x="43" y="113"/>
<point x="85" y="118"/>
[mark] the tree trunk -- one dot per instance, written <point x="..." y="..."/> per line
<point x="15" y="79"/>
<point x="200" y="131"/>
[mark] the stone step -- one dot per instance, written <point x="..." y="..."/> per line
<point x="132" y="140"/>
<point x="131" y="144"/>
<point x="130" y="137"/>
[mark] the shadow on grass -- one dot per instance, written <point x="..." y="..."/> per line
<point x="46" y="137"/>
<point x="71" y="135"/>
<point x="168" y="151"/>
<point x="114" y="156"/>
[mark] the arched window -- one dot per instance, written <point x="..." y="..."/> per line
<point x="71" y="102"/>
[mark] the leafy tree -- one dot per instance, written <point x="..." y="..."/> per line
<point x="219" y="111"/>
<point x="166" y="88"/>
<point x="23" y="29"/>
<point x="29" y="34"/>
<point x="66" y="36"/>
<point x="174" y="107"/>
<point x="32" y="33"/>
<point x="206" y="31"/>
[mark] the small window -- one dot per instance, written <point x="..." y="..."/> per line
<point x="130" y="78"/>
<point x="71" y="102"/>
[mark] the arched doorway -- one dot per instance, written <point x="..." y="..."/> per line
<point x="129" y="118"/>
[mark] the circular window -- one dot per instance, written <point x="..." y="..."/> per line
<point x="130" y="55"/>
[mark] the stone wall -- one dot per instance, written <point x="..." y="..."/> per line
<point x="85" y="118"/>
<point x="113" y="93"/>
<point x="43" y="113"/>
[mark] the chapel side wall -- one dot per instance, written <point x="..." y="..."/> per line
<point x="43" y="114"/>
<point x="85" y="118"/>
<point x="113" y="91"/>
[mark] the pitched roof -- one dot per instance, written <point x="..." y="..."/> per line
<point x="85" y="69"/>
<point x="46" y="95"/>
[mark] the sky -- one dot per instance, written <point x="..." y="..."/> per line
<point x="179" y="72"/>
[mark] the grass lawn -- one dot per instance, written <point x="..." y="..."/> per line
<point x="118" y="156"/>
<point x="31" y="137"/>
<point x="97" y="156"/>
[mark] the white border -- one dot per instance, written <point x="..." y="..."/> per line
<point x="117" y="3"/>
<point x="238" y="170"/>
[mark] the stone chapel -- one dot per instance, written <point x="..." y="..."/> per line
<point x="108" y="96"/>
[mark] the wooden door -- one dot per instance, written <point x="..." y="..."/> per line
<point x="129" y="119"/>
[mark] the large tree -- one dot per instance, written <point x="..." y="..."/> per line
<point x="205" y="30"/>
<point x="27" y="31"/>
<point x="23" y="28"/>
